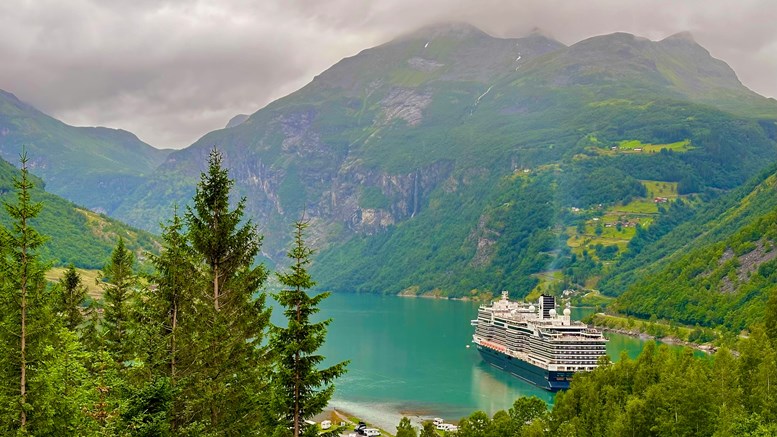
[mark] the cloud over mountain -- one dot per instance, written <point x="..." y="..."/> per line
<point x="172" y="70"/>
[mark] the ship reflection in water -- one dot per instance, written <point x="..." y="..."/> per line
<point x="493" y="389"/>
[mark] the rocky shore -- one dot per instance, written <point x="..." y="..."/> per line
<point x="706" y="347"/>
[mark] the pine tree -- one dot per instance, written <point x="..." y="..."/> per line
<point x="174" y="270"/>
<point x="119" y="288"/>
<point x="104" y="410"/>
<point x="301" y="390"/>
<point x="71" y="296"/>
<point x="228" y="375"/>
<point x="25" y="312"/>
<point x="216" y="234"/>
<point x="92" y="333"/>
<point x="65" y="376"/>
<point x="405" y="428"/>
<point x="171" y="307"/>
<point x="770" y="317"/>
<point x="428" y="430"/>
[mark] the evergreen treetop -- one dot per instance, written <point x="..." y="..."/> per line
<point x="300" y="389"/>
<point x="216" y="234"/>
<point x="225" y="318"/>
<point x="118" y="295"/>
<point x="25" y="313"/>
<point x="72" y="294"/>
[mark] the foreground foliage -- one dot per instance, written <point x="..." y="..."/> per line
<point x="25" y="323"/>
<point x="178" y="352"/>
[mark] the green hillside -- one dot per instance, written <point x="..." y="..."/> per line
<point x="75" y="235"/>
<point x="448" y="160"/>
<point x="717" y="268"/>
<point x="92" y="166"/>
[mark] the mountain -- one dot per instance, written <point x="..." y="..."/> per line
<point x="675" y="67"/>
<point x="718" y="268"/>
<point x="348" y="111"/>
<point x="74" y="234"/>
<point x="236" y="120"/>
<point x="448" y="161"/>
<point x="92" y="166"/>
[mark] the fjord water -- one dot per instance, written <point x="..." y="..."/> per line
<point x="409" y="356"/>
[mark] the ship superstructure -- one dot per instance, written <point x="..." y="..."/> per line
<point x="536" y="343"/>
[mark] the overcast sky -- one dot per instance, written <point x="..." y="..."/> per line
<point x="172" y="70"/>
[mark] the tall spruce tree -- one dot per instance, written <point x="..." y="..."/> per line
<point x="171" y="309"/>
<point x="25" y="313"/>
<point x="174" y="271"/>
<point x="300" y="389"/>
<point x="227" y="247"/>
<point x="69" y="387"/>
<point x="228" y="375"/>
<point x="72" y="294"/>
<point x="119" y="288"/>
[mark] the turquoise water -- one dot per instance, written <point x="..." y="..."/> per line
<point x="409" y="356"/>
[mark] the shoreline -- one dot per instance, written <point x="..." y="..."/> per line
<point x="385" y="417"/>
<point x="431" y="296"/>
<point x="706" y="348"/>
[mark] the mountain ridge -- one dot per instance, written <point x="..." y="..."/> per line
<point x="75" y="161"/>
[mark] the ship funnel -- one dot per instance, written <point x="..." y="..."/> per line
<point x="505" y="295"/>
<point x="547" y="303"/>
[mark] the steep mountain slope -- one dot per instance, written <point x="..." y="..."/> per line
<point x="92" y="166"/>
<point x="452" y="160"/>
<point x="347" y="118"/>
<point x="718" y="268"/>
<point x="75" y="235"/>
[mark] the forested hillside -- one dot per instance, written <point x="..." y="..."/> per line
<point x="717" y="268"/>
<point x="74" y="234"/>
<point x="181" y="352"/>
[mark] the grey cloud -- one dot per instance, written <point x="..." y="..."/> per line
<point x="171" y="71"/>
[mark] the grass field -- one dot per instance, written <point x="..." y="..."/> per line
<point x="89" y="278"/>
<point x="660" y="189"/>
<point x="641" y="211"/>
<point x="593" y="298"/>
<point x="638" y="211"/>
<point x="638" y="146"/>
<point x="639" y="206"/>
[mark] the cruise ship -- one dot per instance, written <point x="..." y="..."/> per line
<point x="536" y="344"/>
